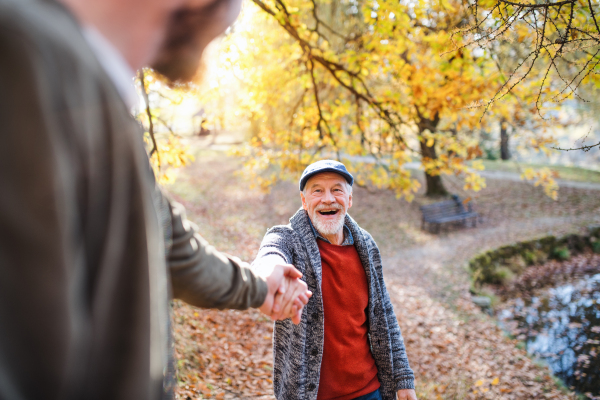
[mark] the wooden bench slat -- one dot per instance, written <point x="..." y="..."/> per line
<point x="456" y="217"/>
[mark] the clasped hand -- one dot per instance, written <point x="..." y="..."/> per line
<point x="287" y="294"/>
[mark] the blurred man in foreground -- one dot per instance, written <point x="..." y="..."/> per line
<point x="90" y="249"/>
<point x="348" y="345"/>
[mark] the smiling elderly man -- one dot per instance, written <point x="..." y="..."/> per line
<point x="348" y="344"/>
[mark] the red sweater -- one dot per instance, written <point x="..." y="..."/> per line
<point x="348" y="369"/>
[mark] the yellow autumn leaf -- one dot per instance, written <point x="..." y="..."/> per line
<point x="479" y="382"/>
<point x="496" y="381"/>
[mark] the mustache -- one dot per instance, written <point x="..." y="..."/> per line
<point x="337" y="206"/>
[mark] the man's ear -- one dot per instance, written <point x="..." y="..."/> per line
<point x="303" y="201"/>
<point x="350" y="200"/>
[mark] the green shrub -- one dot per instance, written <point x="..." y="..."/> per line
<point x="547" y="244"/>
<point x="596" y="246"/>
<point x="533" y="257"/>
<point x="488" y="275"/>
<point x="530" y="257"/>
<point x="491" y="153"/>
<point x="517" y="264"/>
<point x="561" y="253"/>
<point x="503" y="275"/>
<point x="505" y="252"/>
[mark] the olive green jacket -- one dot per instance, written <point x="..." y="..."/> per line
<point x="85" y="274"/>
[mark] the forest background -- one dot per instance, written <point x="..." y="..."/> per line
<point x="419" y="99"/>
<point x="381" y="85"/>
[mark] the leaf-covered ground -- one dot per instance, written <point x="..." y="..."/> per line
<point x="456" y="350"/>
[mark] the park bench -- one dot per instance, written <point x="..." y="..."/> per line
<point x="449" y="212"/>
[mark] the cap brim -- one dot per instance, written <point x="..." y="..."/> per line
<point x="346" y="176"/>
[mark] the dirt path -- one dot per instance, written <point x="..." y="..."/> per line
<point x="456" y="350"/>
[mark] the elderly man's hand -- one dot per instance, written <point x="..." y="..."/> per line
<point x="287" y="294"/>
<point x="407" y="394"/>
<point x="290" y="300"/>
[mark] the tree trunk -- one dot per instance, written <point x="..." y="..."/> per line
<point x="435" y="186"/>
<point x="504" y="151"/>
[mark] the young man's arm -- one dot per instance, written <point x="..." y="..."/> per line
<point x="204" y="277"/>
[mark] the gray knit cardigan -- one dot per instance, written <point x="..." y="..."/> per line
<point x="298" y="349"/>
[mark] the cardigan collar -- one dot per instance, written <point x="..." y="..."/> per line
<point x="300" y="223"/>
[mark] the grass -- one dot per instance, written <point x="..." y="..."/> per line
<point x="565" y="173"/>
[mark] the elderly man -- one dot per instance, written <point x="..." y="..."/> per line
<point x="90" y="249"/>
<point x="348" y="344"/>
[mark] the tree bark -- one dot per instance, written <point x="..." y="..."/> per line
<point x="504" y="151"/>
<point x="435" y="186"/>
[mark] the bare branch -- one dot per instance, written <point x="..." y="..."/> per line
<point x="142" y="80"/>
<point x="541" y="5"/>
<point x="594" y="16"/>
<point x="584" y="148"/>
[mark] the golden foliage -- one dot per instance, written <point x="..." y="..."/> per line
<point x="364" y="83"/>
<point x="172" y="155"/>
<point x="164" y="147"/>
<point x="544" y="177"/>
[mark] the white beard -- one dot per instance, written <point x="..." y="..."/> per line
<point x="330" y="227"/>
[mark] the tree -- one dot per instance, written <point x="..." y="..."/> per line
<point x="365" y="82"/>
<point x="504" y="150"/>
<point x="376" y="84"/>
<point x="560" y="43"/>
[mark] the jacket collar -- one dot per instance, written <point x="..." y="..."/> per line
<point x="301" y="225"/>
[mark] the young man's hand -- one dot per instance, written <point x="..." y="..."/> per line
<point x="407" y="394"/>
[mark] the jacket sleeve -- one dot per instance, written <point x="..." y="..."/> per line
<point x="204" y="277"/>
<point x="403" y="374"/>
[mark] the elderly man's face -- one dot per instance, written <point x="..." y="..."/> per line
<point x="327" y="198"/>
<point x="191" y="28"/>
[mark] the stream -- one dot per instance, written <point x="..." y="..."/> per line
<point x="561" y="325"/>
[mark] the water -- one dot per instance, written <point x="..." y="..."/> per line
<point x="562" y="326"/>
